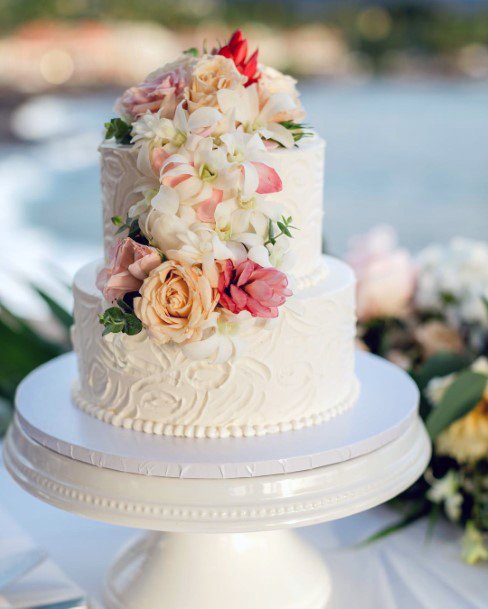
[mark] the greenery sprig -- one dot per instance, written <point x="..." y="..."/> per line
<point x="284" y="225"/>
<point x="131" y="225"/>
<point x="298" y="130"/>
<point x="118" y="129"/>
<point x="120" y="319"/>
<point x="193" y="51"/>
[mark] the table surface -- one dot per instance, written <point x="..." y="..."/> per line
<point x="401" y="572"/>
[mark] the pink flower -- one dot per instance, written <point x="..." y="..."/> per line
<point x="385" y="274"/>
<point x="269" y="180"/>
<point x="162" y="90"/>
<point x="130" y="263"/>
<point x="206" y="209"/>
<point x="250" y="287"/>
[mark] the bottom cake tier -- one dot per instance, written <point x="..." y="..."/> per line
<point x="297" y="372"/>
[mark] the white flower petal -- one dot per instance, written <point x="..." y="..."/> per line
<point x="203" y="117"/>
<point x="250" y="181"/>
<point x="166" y="200"/>
<point x="259" y="255"/>
<point x="180" y="119"/>
<point x="277" y="103"/>
<point x="278" y="133"/>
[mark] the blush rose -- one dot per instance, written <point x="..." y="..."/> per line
<point x="129" y="264"/>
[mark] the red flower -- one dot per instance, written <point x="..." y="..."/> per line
<point x="236" y="49"/>
<point x="250" y="287"/>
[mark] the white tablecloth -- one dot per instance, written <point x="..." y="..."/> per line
<point x="403" y="571"/>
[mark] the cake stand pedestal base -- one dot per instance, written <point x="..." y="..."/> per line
<point x="225" y="506"/>
<point x="264" y="570"/>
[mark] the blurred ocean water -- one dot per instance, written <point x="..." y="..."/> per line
<point x="411" y="155"/>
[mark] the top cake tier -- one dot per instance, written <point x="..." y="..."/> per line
<point x="212" y="203"/>
<point x="301" y="170"/>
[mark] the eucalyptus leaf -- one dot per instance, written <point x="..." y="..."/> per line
<point x="122" y="319"/>
<point x="459" y="399"/>
<point x="440" y="364"/>
<point x="120" y="130"/>
<point x="133" y="325"/>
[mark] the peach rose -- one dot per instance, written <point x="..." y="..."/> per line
<point x="176" y="302"/>
<point x="211" y="73"/>
<point x="130" y="263"/>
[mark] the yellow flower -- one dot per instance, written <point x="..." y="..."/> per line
<point x="176" y="303"/>
<point x="466" y="440"/>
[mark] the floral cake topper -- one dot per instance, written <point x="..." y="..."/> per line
<point x="201" y="257"/>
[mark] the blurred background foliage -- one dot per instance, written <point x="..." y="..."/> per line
<point x="376" y="36"/>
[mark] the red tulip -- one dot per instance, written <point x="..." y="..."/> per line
<point x="236" y="49"/>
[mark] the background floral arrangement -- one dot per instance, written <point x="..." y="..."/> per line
<point x="205" y="249"/>
<point x="429" y="314"/>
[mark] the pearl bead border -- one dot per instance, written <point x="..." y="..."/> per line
<point x="310" y="280"/>
<point x="200" y="431"/>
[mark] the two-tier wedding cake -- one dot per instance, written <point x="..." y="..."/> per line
<point x="214" y="313"/>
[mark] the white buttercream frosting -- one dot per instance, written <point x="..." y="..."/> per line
<point x="299" y="372"/>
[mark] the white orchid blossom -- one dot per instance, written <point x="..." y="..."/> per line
<point x="159" y="130"/>
<point x="248" y="151"/>
<point x="152" y="131"/>
<point x="194" y="175"/>
<point x="244" y="215"/>
<point x="199" y="244"/>
<point x="245" y="101"/>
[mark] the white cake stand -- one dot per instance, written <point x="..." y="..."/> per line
<point x="247" y="492"/>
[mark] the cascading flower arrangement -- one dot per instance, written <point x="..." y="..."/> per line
<point x="199" y="256"/>
<point x="429" y="314"/>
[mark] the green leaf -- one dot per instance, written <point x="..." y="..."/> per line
<point x="133" y="325"/>
<point x="124" y="306"/>
<point x="440" y="364"/>
<point x="448" y="298"/>
<point x="117" y="220"/>
<point x="134" y="229"/>
<point x="6" y="412"/>
<point x="118" y="129"/>
<point x="58" y="312"/>
<point x="484" y="299"/>
<point x="122" y="320"/>
<point x="271" y="238"/>
<point x="22" y="350"/>
<point x="409" y="518"/>
<point x="193" y="51"/>
<point x="459" y="399"/>
<point x="298" y="130"/>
